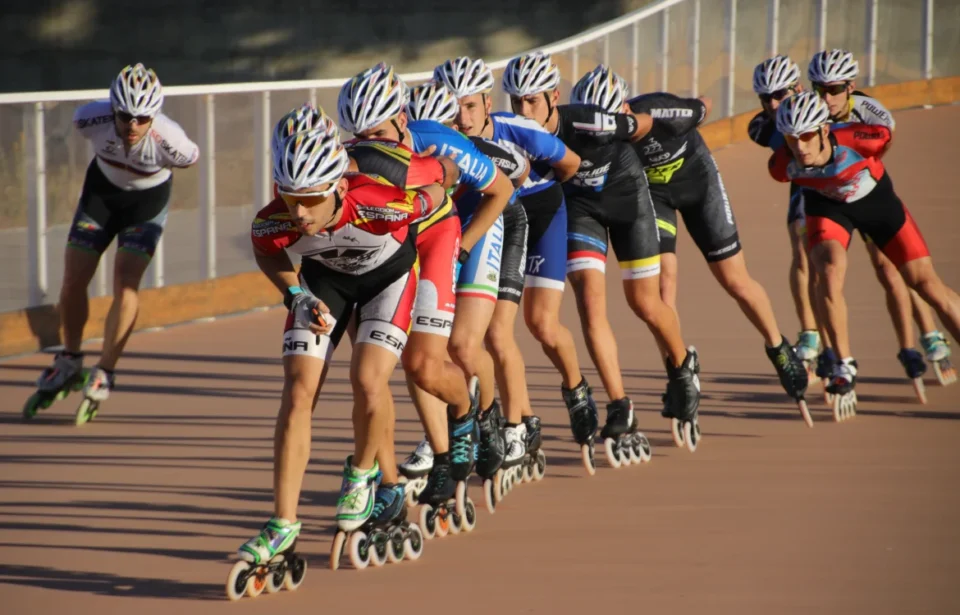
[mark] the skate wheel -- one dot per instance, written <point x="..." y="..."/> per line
<point x="87" y="411"/>
<point x="469" y="519"/>
<point x="633" y="450"/>
<point x="336" y="550"/>
<point x="413" y="545"/>
<point x="676" y="428"/>
<point x="257" y="582"/>
<point x="489" y="486"/>
<point x="275" y="579"/>
<point x="455" y="521"/>
<point x="613" y="455"/>
<point x="691" y="433"/>
<point x="428" y="522"/>
<point x="359" y="550"/>
<point x="30" y="408"/>
<point x="527" y="473"/>
<point x="586" y="455"/>
<point x="461" y="495"/>
<point x="945" y="372"/>
<point x="805" y="412"/>
<point x="395" y="547"/>
<point x="295" y="573"/>
<point x="444" y="522"/>
<point x="379" y="547"/>
<point x="920" y="390"/>
<point x="646" y="452"/>
<point x="827" y="395"/>
<point x="238" y="579"/>
<point x="540" y="467"/>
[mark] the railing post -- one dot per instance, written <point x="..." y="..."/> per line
<point x="36" y="162"/>
<point x="695" y="52"/>
<point x="664" y="47"/>
<point x="928" y="39"/>
<point x="313" y="97"/>
<point x="208" y="188"/>
<point x="156" y="264"/>
<point x="606" y="50"/>
<point x="773" y="28"/>
<point x="821" y="25"/>
<point x="635" y="60"/>
<point x="575" y="65"/>
<point x="262" y="156"/>
<point x="732" y="55"/>
<point x="872" y="11"/>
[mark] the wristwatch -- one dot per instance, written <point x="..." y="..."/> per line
<point x="289" y="294"/>
<point x="464" y="257"/>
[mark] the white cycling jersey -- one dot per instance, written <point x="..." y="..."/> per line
<point x="868" y="110"/>
<point x="146" y="164"/>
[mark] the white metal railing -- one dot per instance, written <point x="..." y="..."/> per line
<point x="684" y="34"/>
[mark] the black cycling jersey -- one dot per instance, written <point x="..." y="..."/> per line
<point x="673" y="151"/>
<point x="599" y="138"/>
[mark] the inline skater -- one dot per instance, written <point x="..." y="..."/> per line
<point x="683" y="177"/>
<point x="833" y="75"/>
<point x="846" y="188"/>
<point x="359" y="255"/>
<point x="373" y="105"/>
<point x="126" y="194"/>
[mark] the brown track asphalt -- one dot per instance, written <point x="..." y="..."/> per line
<point x="141" y="510"/>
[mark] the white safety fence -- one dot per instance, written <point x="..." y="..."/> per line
<point x="689" y="47"/>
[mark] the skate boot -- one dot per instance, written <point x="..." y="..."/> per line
<point x="386" y="537"/>
<point x="268" y="561"/>
<point x="535" y="462"/>
<point x="512" y="474"/>
<point x="583" y="421"/>
<point x="912" y="362"/>
<point x="681" y="402"/>
<point x="355" y="504"/>
<point x="825" y="364"/>
<point x="842" y="386"/>
<point x="414" y="470"/>
<point x="807" y="350"/>
<point x="464" y="435"/>
<point x="439" y="514"/>
<point x="56" y="382"/>
<point x="99" y="384"/>
<point x="793" y="376"/>
<point x="622" y="442"/>
<point x="491" y="447"/>
<point x="937" y="351"/>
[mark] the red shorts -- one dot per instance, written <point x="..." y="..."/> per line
<point x="880" y="216"/>
<point x="438" y="244"/>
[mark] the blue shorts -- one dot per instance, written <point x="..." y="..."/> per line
<point x="546" y="239"/>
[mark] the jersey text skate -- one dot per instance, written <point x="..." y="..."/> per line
<point x="599" y="138"/>
<point x="510" y="162"/>
<point x="373" y="228"/>
<point x="477" y="172"/>
<point x="148" y="163"/>
<point x="852" y="172"/>
<point x="540" y="147"/>
<point x="673" y="151"/>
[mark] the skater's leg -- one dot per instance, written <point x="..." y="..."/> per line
<point x="830" y="260"/>
<point x="897" y="294"/>
<point x="508" y="362"/>
<point x="590" y="290"/>
<point x="922" y="314"/>
<point x="436" y="383"/>
<point x="753" y="300"/>
<point x="644" y="298"/>
<point x="466" y="346"/>
<point x="129" y="268"/>
<point x="921" y="276"/>
<point x="541" y="313"/>
<point x="370" y="369"/>
<point x="800" y="277"/>
<point x="668" y="280"/>
<point x="79" y="268"/>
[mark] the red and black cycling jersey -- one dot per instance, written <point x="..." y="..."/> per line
<point x="853" y="170"/>
<point x="372" y="230"/>
<point x="673" y="151"/>
<point x="395" y="162"/>
<point x="599" y="138"/>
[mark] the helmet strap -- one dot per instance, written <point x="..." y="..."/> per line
<point x="486" y="116"/>
<point x="546" y="97"/>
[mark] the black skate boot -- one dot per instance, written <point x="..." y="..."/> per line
<point x="491" y="449"/>
<point x="682" y="400"/>
<point x="622" y="443"/>
<point x="793" y="375"/>
<point x="583" y="420"/>
<point x="913" y="363"/>
<point x="842" y="386"/>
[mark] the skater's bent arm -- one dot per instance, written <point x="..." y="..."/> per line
<point x="278" y="268"/>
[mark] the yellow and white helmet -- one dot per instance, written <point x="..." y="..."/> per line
<point x="371" y="98"/>
<point x="833" y="65"/>
<point x="601" y="87"/>
<point x="433" y="101"/>
<point x="532" y="73"/>
<point x="802" y="113"/>
<point x="310" y="158"/>
<point x="465" y="76"/>
<point x="136" y="91"/>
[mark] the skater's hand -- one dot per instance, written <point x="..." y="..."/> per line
<point x="311" y="313"/>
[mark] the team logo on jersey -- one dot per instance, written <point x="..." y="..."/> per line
<point x="857" y="134"/>
<point x="602" y="123"/>
<point x="670" y="113"/>
<point x="652" y="147"/>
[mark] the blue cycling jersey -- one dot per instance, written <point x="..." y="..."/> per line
<point x="477" y="171"/>
<point x="539" y="146"/>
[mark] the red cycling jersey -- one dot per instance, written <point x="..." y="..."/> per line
<point x="374" y="225"/>
<point x="852" y="172"/>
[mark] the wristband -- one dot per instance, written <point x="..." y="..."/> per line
<point x="291" y="292"/>
<point x="463" y="257"/>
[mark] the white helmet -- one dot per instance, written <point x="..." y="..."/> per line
<point x="833" y="65"/>
<point x="465" y="76"/>
<point x="137" y="91"/>
<point x="433" y="101"/>
<point x="528" y="74"/>
<point x="802" y="113"/>
<point x="774" y="74"/>
<point x="301" y="119"/>
<point x="371" y="98"/>
<point x="310" y="158"/>
<point x="601" y="87"/>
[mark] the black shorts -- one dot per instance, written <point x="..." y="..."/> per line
<point x="513" y="260"/>
<point x="135" y="217"/>
<point x="383" y="299"/>
<point x="706" y="212"/>
<point x="627" y="217"/>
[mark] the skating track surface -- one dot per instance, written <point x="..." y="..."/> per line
<point x="141" y="510"/>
